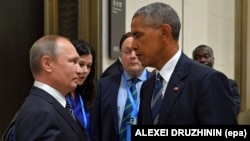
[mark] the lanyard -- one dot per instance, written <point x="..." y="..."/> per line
<point x="83" y="112"/>
<point x="135" y="104"/>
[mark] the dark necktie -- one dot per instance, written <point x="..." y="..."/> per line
<point x="156" y="99"/>
<point x="128" y="109"/>
<point x="69" y="109"/>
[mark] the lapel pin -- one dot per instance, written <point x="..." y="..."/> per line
<point x="176" y="88"/>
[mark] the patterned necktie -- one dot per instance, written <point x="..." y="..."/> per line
<point x="156" y="99"/>
<point x="128" y="109"/>
<point x="69" y="109"/>
<point x="133" y="87"/>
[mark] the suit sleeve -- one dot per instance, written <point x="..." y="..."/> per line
<point x="215" y="101"/>
<point x="96" y="116"/>
<point x="39" y="125"/>
<point x="236" y="94"/>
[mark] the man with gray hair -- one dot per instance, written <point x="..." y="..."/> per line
<point x="181" y="91"/>
<point x="54" y="66"/>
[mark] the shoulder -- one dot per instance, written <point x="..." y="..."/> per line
<point x="188" y="67"/>
<point x="110" y="79"/>
<point x="231" y="81"/>
<point x="114" y="68"/>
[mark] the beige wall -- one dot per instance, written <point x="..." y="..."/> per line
<point x="208" y="22"/>
<point x="211" y="22"/>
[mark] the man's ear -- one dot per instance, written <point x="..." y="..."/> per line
<point x="166" y="31"/>
<point x="46" y="63"/>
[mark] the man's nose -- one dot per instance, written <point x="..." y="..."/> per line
<point x="202" y="60"/>
<point x="134" y="45"/>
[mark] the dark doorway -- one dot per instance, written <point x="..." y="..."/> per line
<point x="21" y="24"/>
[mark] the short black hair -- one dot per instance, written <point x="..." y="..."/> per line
<point x="124" y="37"/>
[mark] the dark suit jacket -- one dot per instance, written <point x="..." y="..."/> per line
<point x="236" y="94"/>
<point x="196" y="94"/>
<point x="41" y="117"/>
<point x="105" y="117"/>
<point x="8" y="133"/>
<point x="114" y="68"/>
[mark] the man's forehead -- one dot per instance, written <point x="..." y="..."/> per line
<point x="204" y="50"/>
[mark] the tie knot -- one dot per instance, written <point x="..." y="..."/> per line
<point x="158" y="77"/>
<point x="134" y="81"/>
<point x="68" y="106"/>
<point x="69" y="109"/>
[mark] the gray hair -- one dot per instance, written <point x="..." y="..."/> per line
<point x="46" y="45"/>
<point x="156" y="14"/>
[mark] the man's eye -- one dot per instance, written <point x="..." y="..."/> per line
<point x="207" y="56"/>
<point x="128" y="51"/>
<point x="197" y="57"/>
<point x="136" y="35"/>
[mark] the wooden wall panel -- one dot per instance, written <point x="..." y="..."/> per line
<point x="21" y="24"/>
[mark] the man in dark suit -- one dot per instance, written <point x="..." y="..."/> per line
<point x="114" y="68"/>
<point x="205" y="55"/>
<point x="54" y="66"/>
<point x="190" y="93"/>
<point x="113" y="92"/>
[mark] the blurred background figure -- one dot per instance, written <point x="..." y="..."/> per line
<point x="117" y="100"/>
<point x="204" y="54"/>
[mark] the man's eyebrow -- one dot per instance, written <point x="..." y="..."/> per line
<point x="135" y="33"/>
<point x="127" y="47"/>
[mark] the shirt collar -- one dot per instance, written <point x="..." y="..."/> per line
<point x="51" y="91"/>
<point x="169" y="67"/>
<point x="142" y="76"/>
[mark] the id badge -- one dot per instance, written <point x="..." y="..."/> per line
<point x="132" y="121"/>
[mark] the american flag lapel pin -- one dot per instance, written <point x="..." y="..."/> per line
<point x="176" y="88"/>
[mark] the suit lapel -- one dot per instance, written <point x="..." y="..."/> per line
<point x="172" y="92"/>
<point x="75" y="125"/>
<point x="115" y="83"/>
<point x="174" y="88"/>
<point x="60" y="109"/>
<point x="146" y="95"/>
